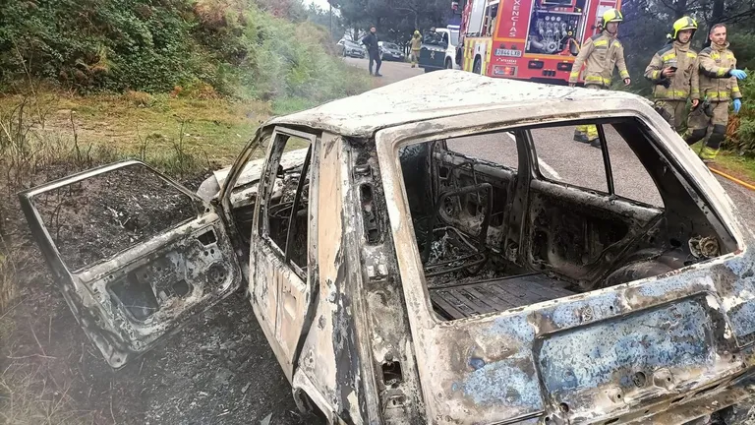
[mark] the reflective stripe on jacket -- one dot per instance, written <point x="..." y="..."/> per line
<point x="716" y="84"/>
<point x="600" y="54"/>
<point x="417" y="43"/>
<point x="685" y="83"/>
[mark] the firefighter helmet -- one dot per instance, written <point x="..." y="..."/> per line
<point x="684" y="23"/>
<point x="612" y="15"/>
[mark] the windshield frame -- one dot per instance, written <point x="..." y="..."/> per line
<point x="439" y="36"/>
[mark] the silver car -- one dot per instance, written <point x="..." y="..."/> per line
<point x="437" y="251"/>
<point x="351" y="49"/>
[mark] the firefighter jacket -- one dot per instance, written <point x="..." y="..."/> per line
<point x="716" y="84"/>
<point x="416" y="42"/>
<point x="685" y="83"/>
<point x="601" y="53"/>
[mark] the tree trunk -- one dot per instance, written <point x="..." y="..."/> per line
<point x="718" y="11"/>
<point x="681" y="9"/>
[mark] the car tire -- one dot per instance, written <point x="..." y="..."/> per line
<point x="449" y="64"/>
<point x="477" y="68"/>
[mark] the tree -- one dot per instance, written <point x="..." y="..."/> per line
<point x="395" y="19"/>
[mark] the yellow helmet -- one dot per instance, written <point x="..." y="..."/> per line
<point x="612" y="15"/>
<point x="684" y="23"/>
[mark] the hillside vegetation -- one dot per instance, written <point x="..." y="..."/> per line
<point x="206" y="48"/>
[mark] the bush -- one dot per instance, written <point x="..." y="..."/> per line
<point x="741" y="128"/>
<point x="227" y="47"/>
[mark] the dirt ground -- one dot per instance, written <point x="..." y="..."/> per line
<point x="217" y="369"/>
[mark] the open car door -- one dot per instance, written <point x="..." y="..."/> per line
<point x="134" y="253"/>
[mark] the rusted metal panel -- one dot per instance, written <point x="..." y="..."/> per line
<point x="318" y="365"/>
<point x="142" y="290"/>
<point x="440" y="94"/>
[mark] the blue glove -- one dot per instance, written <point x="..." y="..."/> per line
<point x="741" y="75"/>
<point x="737" y="105"/>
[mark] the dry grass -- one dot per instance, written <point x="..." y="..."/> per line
<point x="213" y="129"/>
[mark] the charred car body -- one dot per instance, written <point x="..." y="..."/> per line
<point x="401" y="280"/>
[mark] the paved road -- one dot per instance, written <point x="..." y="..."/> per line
<point x="392" y="71"/>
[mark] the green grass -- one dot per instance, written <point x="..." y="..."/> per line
<point x="731" y="163"/>
<point x="741" y="167"/>
<point x="290" y="105"/>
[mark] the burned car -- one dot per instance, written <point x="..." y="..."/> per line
<point x="437" y="251"/>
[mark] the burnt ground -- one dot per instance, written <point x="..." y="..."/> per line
<point x="217" y="369"/>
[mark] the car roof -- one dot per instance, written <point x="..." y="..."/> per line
<point x="435" y="95"/>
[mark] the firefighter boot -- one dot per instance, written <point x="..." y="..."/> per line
<point x="711" y="148"/>
<point x="580" y="137"/>
<point x="586" y="133"/>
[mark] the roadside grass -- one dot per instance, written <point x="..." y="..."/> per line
<point x="739" y="166"/>
<point x="134" y="123"/>
<point x="730" y="162"/>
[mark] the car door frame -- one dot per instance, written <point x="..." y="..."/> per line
<point x="270" y="275"/>
<point x="87" y="303"/>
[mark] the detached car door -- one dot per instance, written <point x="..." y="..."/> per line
<point x="135" y="254"/>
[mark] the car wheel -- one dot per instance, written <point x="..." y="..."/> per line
<point x="449" y="64"/>
<point x="477" y="69"/>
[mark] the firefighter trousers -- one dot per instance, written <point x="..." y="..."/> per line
<point x="709" y="115"/>
<point x="672" y="111"/>
<point x="415" y="57"/>
<point x="587" y="133"/>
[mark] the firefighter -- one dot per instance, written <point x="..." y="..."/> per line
<point x="718" y="85"/>
<point x="674" y="71"/>
<point x="600" y="52"/>
<point x="416" y="47"/>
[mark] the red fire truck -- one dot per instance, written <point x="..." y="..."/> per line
<point x="526" y="39"/>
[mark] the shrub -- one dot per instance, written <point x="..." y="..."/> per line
<point x="226" y="47"/>
<point x="741" y="128"/>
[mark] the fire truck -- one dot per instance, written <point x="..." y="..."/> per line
<point x="534" y="40"/>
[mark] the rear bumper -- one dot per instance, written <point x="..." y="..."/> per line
<point x="739" y="393"/>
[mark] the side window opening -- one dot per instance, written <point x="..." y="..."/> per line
<point x="286" y="210"/>
<point x="490" y="15"/>
<point x="563" y="158"/>
<point x="576" y="228"/>
<point x="104" y="215"/>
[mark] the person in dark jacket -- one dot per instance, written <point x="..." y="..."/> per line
<point x="371" y="43"/>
